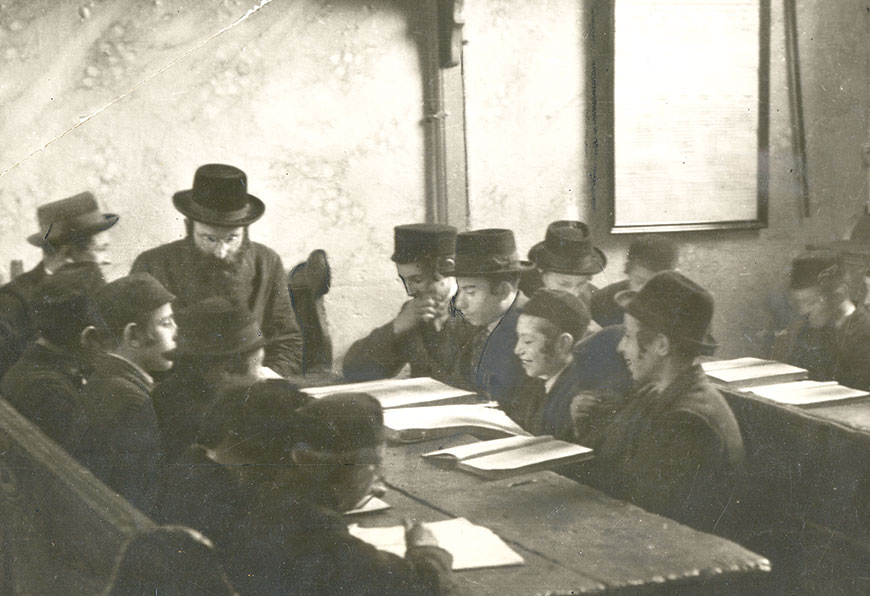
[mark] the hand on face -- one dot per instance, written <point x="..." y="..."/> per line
<point x="416" y="534"/>
<point x="416" y="311"/>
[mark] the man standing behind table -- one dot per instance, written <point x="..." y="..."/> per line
<point x="675" y="447"/>
<point x="72" y="230"/>
<point x="218" y="259"/>
<point x="487" y="273"/>
<point x="428" y="332"/>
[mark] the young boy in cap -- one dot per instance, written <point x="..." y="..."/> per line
<point x="427" y="333"/>
<point x="219" y="346"/>
<point x="218" y="259"/>
<point x="71" y="230"/>
<point x="565" y="260"/>
<point x="487" y="273"/>
<point x="46" y="382"/>
<point x="832" y="338"/>
<point x="675" y="447"/>
<point x="122" y="445"/>
<point x="303" y="470"/>
<point x="647" y="255"/>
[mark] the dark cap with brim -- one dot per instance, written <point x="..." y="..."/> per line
<point x="219" y="197"/>
<point x="341" y="422"/>
<point x="416" y="242"/>
<point x="674" y="305"/>
<point x="817" y="267"/>
<point x="70" y="219"/>
<point x="215" y="327"/>
<point x="126" y="299"/>
<point x="563" y="309"/>
<point x="481" y="253"/>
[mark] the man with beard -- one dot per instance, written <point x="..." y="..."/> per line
<point x="427" y="333"/>
<point x="218" y="259"/>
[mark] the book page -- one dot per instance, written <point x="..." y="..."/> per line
<point x="446" y="417"/>
<point x="480" y="448"/>
<point x="395" y="393"/>
<point x="759" y="371"/>
<point x="472" y="546"/>
<point x="372" y="505"/>
<point x="537" y="453"/>
<point x="734" y="363"/>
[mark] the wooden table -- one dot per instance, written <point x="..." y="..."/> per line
<point x="575" y="540"/>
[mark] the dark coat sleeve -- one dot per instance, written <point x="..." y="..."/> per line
<point x="284" y="352"/>
<point x="376" y="356"/>
<point x="16" y="328"/>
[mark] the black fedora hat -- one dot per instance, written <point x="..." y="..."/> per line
<point x="215" y="327"/>
<point x="487" y="252"/>
<point x="674" y="305"/>
<point x="72" y="218"/>
<point x="414" y="242"/>
<point x="219" y="197"/>
<point x="817" y="267"/>
<point x="568" y="249"/>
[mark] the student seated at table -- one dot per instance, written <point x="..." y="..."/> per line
<point x="218" y="346"/>
<point x="45" y="384"/>
<point x="428" y="332"/>
<point x="675" y="447"/>
<point x="289" y="536"/>
<point x="565" y="260"/>
<point x="487" y="273"/>
<point x="647" y="255"/>
<point x="122" y="444"/>
<point x="832" y="338"/>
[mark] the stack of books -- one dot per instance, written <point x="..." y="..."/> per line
<point x="778" y="382"/>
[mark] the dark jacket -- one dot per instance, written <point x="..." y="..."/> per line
<point x="311" y="552"/>
<point x="122" y="445"/>
<point x="180" y="403"/>
<point x="835" y="354"/>
<point x="604" y="309"/>
<point x="175" y="265"/>
<point x="45" y="386"/>
<point x="676" y="452"/>
<point x="17" y="329"/>
<point x="383" y="353"/>
<point x="488" y="364"/>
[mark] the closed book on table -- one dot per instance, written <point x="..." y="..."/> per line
<point x="714" y="365"/>
<point x="766" y="373"/>
<point x="809" y="393"/>
<point x="501" y="458"/>
<point x="401" y="393"/>
<point x="405" y="425"/>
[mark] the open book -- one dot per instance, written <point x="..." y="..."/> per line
<point x="501" y="458"/>
<point x="400" y="393"/>
<point x="406" y="425"/>
<point x="809" y="393"/>
<point x="472" y="546"/>
<point x="765" y="372"/>
<point x="715" y="365"/>
<point x="371" y="506"/>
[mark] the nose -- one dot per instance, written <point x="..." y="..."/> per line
<point x="460" y="301"/>
<point x="222" y="250"/>
<point x="518" y="350"/>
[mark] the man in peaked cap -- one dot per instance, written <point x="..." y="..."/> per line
<point x="122" y="445"/>
<point x="218" y="259"/>
<point x="647" y="255"/>
<point x="427" y="333"/>
<point x="831" y="339"/>
<point x="70" y="230"/>
<point x="675" y="447"/>
<point x="487" y="274"/>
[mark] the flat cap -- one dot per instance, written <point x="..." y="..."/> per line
<point x="341" y="422"/>
<point x="816" y="267"/>
<point x="563" y="309"/>
<point x="126" y="299"/>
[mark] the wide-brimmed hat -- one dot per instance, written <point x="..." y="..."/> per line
<point x="72" y="218"/>
<point x="216" y="327"/>
<point x="487" y="252"/>
<point x="219" y="197"/>
<point x="674" y="305"/>
<point x="415" y="242"/>
<point x="568" y="249"/>
<point x="817" y="267"/>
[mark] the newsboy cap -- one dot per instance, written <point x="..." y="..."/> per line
<point x="72" y="218"/>
<point x="487" y="252"/>
<point x="563" y="309"/>
<point x="816" y="267"/>
<point x="125" y="300"/>
<point x="415" y="242"/>
<point x="673" y="304"/>
<point x="341" y="422"/>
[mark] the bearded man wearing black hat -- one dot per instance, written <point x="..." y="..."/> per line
<point x="72" y="230"/>
<point x="831" y="339"/>
<point x="487" y="274"/>
<point x="675" y="447"/>
<point x="218" y="259"/>
<point x="427" y="333"/>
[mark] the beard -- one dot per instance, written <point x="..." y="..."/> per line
<point x="231" y="278"/>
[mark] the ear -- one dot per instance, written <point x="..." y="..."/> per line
<point x="565" y="342"/>
<point x="502" y="290"/>
<point x="89" y="339"/>
<point x="661" y="344"/>
<point x="130" y="335"/>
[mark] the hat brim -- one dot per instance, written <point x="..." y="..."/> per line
<point x="514" y="267"/>
<point x="184" y="203"/>
<point x="201" y="351"/>
<point x="109" y="219"/>
<point x="593" y="264"/>
<point x="625" y="299"/>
